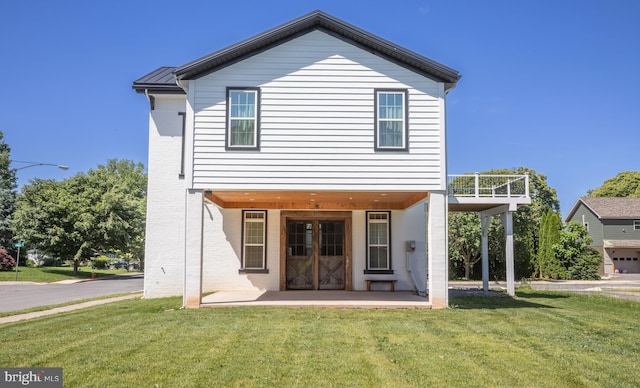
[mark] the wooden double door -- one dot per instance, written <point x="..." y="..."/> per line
<point x="317" y="251"/>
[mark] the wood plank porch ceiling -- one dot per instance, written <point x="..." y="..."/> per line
<point x="316" y="200"/>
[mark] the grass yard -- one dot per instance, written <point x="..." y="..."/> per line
<point x="54" y="274"/>
<point x="539" y="339"/>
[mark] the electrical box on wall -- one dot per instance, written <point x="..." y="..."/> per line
<point x="411" y="246"/>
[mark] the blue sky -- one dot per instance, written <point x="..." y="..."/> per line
<point x="550" y="85"/>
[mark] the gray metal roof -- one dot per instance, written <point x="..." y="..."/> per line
<point x="611" y="207"/>
<point x="313" y="21"/>
<point x="159" y="80"/>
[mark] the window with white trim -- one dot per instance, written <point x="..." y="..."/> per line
<point x="636" y="225"/>
<point x="378" y="237"/>
<point x="254" y="239"/>
<point x="391" y="119"/>
<point x="243" y="118"/>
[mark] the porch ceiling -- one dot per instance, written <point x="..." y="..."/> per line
<point x="317" y="200"/>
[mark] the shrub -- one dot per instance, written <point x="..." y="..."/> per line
<point x="7" y="262"/>
<point x="587" y="266"/>
<point x="100" y="262"/>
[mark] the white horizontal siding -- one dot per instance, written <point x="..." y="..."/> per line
<point x="317" y="122"/>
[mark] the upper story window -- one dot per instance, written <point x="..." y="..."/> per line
<point x="243" y="112"/>
<point x="636" y="225"/>
<point x="391" y="119"/>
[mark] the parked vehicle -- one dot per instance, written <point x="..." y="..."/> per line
<point x="122" y="263"/>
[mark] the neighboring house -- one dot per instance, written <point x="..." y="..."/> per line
<point x="312" y="156"/>
<point x="614" y="225"/>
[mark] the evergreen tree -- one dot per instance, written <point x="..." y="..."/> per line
<point x="7" y="195"/>
<point x="547" y="265"/>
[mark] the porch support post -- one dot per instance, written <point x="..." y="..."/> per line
<point x="194" y="213"/>
<point x="507" y="219"/>
<point x="438" y="256"/>
<point x="485" y="222"/>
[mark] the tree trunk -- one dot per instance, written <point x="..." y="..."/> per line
<point x="470" y="260"/>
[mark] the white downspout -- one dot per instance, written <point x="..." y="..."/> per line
<point x="411" y="275"/>
<point x="180" y="84"/>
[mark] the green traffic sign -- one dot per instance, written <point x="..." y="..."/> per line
<point x="19" y="244"/>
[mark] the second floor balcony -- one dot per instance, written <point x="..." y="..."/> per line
<point x="477" y="192"/>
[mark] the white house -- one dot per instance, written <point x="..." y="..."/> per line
<point x="311" y="156"/>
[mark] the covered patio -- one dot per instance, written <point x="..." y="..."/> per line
<point x="488" y="195"/>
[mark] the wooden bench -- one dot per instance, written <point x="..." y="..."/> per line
<point x="392" y="283"/>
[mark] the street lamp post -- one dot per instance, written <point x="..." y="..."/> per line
<point x="35" y="164"/>
<point x="20" y="244"/>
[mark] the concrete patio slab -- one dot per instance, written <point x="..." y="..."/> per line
<point x="335" y="299"/>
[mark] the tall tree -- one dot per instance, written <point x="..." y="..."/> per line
<point x="46" y="216"/>
<point x="102" y="210"/>
<point x="7" y="195"/>
<point x="625" y="184"/>
<point x="464" y="245"/>
<point x="116" y="194"/>
<point x="547" y="264"/>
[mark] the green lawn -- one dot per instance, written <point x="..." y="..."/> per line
<point x="539" y="339"/>
<point x="54" y="274"/>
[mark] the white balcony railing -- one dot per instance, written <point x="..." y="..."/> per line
<point x="488" y="186"/>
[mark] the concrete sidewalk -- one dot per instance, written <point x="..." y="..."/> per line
<point x="71" y="307"/>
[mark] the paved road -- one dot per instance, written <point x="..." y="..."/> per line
<point x="24" y="295"/>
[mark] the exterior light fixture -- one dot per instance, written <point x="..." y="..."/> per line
<point x="35" y="164"/>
